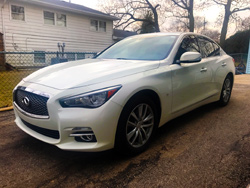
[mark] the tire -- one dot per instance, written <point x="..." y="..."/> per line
<point x="136" y="126"/>
<point x="226" y="91"/>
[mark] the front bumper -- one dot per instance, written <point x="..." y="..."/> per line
<point x="102" y="121"/>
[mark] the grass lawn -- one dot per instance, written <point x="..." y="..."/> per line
<point x="8" y="80"/>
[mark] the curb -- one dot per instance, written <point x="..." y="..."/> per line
<point x="6" y="109"/>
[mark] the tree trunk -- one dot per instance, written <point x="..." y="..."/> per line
<point x="157" y="28"/>
<point x="191" y="15"/>
<point x="156" y="24"/>
<point x="225" y="23"/>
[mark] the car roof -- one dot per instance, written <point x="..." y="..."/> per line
<point x="168" y="34"/>
<point x="165" y="34"/>
<point x="158" y="34"/>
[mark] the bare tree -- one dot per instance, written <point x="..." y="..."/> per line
<point x="200" y="24"/>
<point x="132" y="11"/>
<point x="147" y="27"/>
<point x="182" y="25"/>
<point x="244" y="24"/>
<point x="231" y="7"/>
<point x="213" y="34"/>
<point x="185" y="10"/>
<point x="178" y="25"/>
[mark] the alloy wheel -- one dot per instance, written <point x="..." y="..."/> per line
<point x="226" y="90"/>
<point x="140" y="125"/>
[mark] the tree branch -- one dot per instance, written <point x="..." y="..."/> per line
<point x="219" y="3"/>
<point x="177" y="3"/>
<point x="128" y="24"/>
<point x="239" y="9"/>
<point x="135" y="19"/>
<point x="185" y="4"/>
<point x="120" y="24"/>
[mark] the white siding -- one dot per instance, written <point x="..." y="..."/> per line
<point x="32" y="34"/>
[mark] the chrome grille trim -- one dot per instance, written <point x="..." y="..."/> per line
<point x="29" y="114"/>
<point x="34" y="91"/>
<point x="38" y="114"/>
<point x="81" y="134"/>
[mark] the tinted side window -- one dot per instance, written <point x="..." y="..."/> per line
<point x="189" y="44"/>
<point x="207" y="47"/>
<point x="216" y="49"/>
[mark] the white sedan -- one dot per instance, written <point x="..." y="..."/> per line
<point x="119" y="99"/>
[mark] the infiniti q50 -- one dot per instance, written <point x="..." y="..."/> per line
<point x="119" y="98"/>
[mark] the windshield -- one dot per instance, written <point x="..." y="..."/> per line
<point x="141" y="48"/>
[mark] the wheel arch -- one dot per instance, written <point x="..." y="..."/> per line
<point x="119" y="142"/>
<point x="231" y="76"/>
<point x="153" y="96"/>
<point x="221" y="102"/>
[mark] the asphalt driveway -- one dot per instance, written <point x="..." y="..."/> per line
<point x="208" y="147"/>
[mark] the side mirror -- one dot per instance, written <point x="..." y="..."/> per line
<point x="190" y="57"/>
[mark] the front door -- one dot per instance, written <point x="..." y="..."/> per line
<point x="189" y="80"/>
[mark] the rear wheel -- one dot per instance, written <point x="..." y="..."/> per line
<point x="226" y="91"/>
<point x="136" y="126"/>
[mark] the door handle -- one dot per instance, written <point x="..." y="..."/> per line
<point x="224" y="64"/>
<point x="203" y="69"/>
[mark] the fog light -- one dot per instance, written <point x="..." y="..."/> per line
<point x="83" y="134"/>
<point x="87" y="138"/>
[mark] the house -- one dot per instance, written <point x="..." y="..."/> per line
<point x="44" y="25"/>
<point x="39" y="25"/>
<point x="121" y="34"/>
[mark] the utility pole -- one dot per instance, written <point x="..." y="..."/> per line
<point x="204" y="22"/>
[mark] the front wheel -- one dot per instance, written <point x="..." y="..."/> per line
<point x="226" y="91"/>
<point x="136" y="126"/>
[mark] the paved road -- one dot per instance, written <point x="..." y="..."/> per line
<point x="209" y="147"/>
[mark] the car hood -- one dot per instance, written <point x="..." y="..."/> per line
<point x="87" y="72"/>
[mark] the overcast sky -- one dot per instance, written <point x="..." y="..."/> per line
<point x="211" y="13"/>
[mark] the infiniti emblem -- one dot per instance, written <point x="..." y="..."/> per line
<point x="26" y="101"/>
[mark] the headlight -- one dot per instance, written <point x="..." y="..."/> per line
<point x="90" y="100"/>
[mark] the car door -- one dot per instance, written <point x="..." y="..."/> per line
<point x="211" y="55"/>
<point x="219" y="67"/>
<point x="188" y="79"/>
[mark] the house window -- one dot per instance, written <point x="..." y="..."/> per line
<point x="96" y="25"/>
<point x="49" y="18"/>
<point x="61" y="20"/>
<point x="102" y="26"/>
<point x="17" y="12"/>
<point x="39" y="57"/>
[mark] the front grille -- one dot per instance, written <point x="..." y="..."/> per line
<point x="37" y="103"/>
<point x="46" y="132"/>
